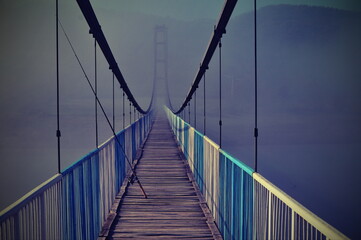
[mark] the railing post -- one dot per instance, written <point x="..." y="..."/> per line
<point x="42" y="216"/>
<point x="269" y="214"/>
<point x="16" y="226"/>
<point x="293" y="225"/>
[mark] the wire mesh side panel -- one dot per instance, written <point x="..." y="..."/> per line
<point x="81" y="199"/>
<point x="52" y="207"/>
<point x="211" y="176"/>
<point x="278" y="216"/>
<point x="191" y="146"/>
<point x="134" y="141"/>
<point x="128" y="143"/>
<point x="185" y="139"/>
<point x="107" y="178"/>
<point x="304" y="230"/>
<point x="244" y="204"/>
<point x="260" y="211"/>
<point x="273" y="217"/>
<point x="225" y="182"/>
<point x="36" y="215"/>
<point x="121" y="165"/>
<point x="7" y="228"/>
<point x="181" y="132"/>
<point x="198" y="171"/>
<point x="235" y="199"/>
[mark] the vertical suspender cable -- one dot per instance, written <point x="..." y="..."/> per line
<point x="113" y="105"/>
<point x="195" y="109"/>
<point x="134" y="114"/>
<point x="123" y="109"/>
<point x="220" y="93"/>
<point x="96" y="93"/>
<point x="204" y="103"/>
<point x="255" y="90"/>
<point x="58" y="134"/>
<point x="189" y="112"/>
<point x="130" y="112"/>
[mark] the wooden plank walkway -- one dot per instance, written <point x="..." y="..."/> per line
<point x="174" y="208"/>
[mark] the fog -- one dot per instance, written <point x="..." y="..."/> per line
<point x="309" y="91"/>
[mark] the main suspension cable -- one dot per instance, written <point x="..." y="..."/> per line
<point x="218" y="32"/>
<point x="97" y="32"/>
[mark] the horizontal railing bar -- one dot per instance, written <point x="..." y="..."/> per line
<point x="78" y="162"/>
<point x="199" y="133"/>
<point x="240" y="164"/>
<point x="215" y="145"/>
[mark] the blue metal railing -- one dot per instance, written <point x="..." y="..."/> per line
<point x="243" y="203"/>
<point x="75" y="203"/>
<point x="225" y="182"/>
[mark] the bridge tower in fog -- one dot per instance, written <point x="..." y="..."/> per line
<point x="161" y="63"/>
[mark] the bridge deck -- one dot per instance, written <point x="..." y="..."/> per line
<point x="173" y="209"/>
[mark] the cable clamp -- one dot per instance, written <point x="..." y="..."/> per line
<point x="255" y="132"/>
<point x="131" y="179"/>
<point x="58" y="133"/>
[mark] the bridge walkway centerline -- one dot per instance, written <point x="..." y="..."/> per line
<point x="174" y="208"/>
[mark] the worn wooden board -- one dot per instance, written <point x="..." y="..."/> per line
<point x="174" y="208"/>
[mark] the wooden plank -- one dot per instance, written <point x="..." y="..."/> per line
<point x="174" y="208"/>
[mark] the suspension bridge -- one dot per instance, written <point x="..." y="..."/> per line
<point x="160" y="178"/>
